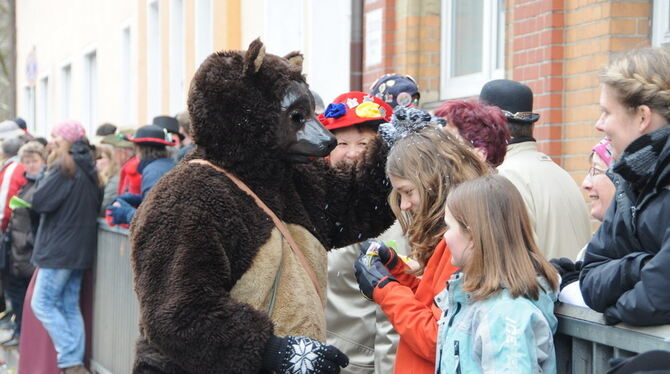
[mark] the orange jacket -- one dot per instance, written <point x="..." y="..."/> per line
<point x="410" y="308"/>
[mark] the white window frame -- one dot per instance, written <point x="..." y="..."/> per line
<point x="660" y="35"/>
<point x="127" y="89"/>
<point x="29" y="107"/>
<point x="471" y="84"/>
<point x="177" y="53"/>
<point x="154" y="62"/>
<point x="204" y="30"/>
<point x="42" y="105"/>
<point x="65" y="72"/>
<point x="90" y="85"/>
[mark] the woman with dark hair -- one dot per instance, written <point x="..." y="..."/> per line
<point x="67" y="198"/>
<point x="150" y="147"/>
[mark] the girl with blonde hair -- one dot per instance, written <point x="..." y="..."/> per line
<point x="625" y="274"/>
<point x="423" y="166"/>
<point x="499" y="309"/>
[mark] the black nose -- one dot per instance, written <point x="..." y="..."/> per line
<point x="332" y="143"/>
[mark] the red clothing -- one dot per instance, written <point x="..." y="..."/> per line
<point x="11" y="180"/>
<point x="130" y="180"/>
<point x="410" y="308"/>
<point x="36" y="351"/>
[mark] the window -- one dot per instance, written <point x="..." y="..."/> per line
<point x="66" y="92"/>
<point x="127" y="93"/>
<point x="42" y="106"/>
<point x="177" y="99"/>
<point x="154" y="67"/>
<point x="29" y="107"/>
<point x="661" y="24"/>
<point x="89" y="117"/>
<point x="203" y="30"/>
<point x="472" y="45"/>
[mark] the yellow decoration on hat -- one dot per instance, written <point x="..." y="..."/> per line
<point x="368" y="109"/>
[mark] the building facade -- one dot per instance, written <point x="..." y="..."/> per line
<point x="126" y="61"/>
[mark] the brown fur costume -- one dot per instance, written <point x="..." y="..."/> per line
<point x="205" y="256"/>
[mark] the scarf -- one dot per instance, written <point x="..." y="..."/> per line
<point x="639" y="161"/>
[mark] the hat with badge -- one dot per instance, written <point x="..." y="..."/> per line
<point x="396" y="89"/>
<point x="515" y="99"/>
<point x="119" y="139"/>
<point x="152" y="135"/>
<point x="353" y="108"/>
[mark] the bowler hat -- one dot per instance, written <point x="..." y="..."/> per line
<point x="513" y="98"/>
<point x="152" y="134"/>
<point x="353" y="108"/>
<point x="170" y="124"/>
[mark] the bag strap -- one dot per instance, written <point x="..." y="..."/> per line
<point x="278" y="223"/>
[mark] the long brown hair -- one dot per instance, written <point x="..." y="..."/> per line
<point x="60" y="157"/>
<point x="434" y="161"/>
<point x="504" y="253"/>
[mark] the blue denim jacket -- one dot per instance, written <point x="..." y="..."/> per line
<point x="496" y="335"/>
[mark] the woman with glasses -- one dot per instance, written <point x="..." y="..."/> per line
<point x="597" y="184"/>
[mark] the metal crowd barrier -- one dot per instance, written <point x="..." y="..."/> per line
<point x="115" y="306"/>
<point x="584" y="344"/>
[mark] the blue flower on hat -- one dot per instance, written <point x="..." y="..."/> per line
<point x="335" y="110"/>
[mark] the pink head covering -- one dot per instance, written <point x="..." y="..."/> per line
<point x="70" y="130"/>
<point x="604" y="150"/>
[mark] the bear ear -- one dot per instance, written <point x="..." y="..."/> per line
<point x="253" y="59"/>
<point x="295" y="58"/>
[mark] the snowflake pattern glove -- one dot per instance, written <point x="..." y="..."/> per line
<point x="302" y="355"/>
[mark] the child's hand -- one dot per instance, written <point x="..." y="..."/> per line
<point x="374" y="247"/>
<point x="370" y="274"/>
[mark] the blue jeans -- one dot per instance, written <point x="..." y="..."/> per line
<point x="56" y="304"/>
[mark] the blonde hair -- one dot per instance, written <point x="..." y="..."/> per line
<point x="112" y="168"/>
<point x="504" y="253"/>
<point x="434" y="161"/>
<point x="32" y="148"/>
<point x="641" y="77"/>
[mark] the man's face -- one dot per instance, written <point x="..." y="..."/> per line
<point x="351" y="144"/>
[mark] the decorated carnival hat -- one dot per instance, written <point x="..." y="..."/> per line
<point x="513" y="98"/>
<point x="119" y="139"/>
<point x="353" y="108"/>
<point x="405" y="121"/>
<point x="152" y="135"/>
<point x="395" y="89"/>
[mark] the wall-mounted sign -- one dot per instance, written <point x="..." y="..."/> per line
<point x="31" y="68"/>
<point x="373" y="37"/>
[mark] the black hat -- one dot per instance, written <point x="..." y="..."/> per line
<point x="152" y="134"/>
<point x="20" y="122"/>
<point x="170" y="124"/>
<point x="513" y="98"/>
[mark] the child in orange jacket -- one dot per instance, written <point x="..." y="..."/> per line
<point x="423" y="166"/>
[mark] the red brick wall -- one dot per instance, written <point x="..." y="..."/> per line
<point x="371" y="73"/>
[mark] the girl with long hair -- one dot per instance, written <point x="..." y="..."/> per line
<point x="499" y="309"/>
<point x="423" y="166"/>
<point x="67" y="197"/>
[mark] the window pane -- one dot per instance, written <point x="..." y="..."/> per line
<point x="466" y="36"/>
<point x="500" y="36"/>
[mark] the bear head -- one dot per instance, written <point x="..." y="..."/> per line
<point x="252" y="108"/>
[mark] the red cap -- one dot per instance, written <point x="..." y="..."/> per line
<point x="353" y="108"/>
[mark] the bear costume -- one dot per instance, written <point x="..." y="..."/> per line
<point x="220" y="289"/>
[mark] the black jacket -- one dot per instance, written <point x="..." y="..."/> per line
<point x="22" y="228"/>
<point x="626" y="272"/>
<point x="67" y="234"/>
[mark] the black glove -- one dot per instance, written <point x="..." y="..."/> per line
<point x="387" y="256"/>
<point x="568" y="270"/>
<point x="370" y="274"/>
<point x="302" y="355"/>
